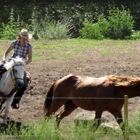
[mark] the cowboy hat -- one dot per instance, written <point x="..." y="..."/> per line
<point x="24" y="34"/>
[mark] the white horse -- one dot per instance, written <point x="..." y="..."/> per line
<point x="11" y="81"/>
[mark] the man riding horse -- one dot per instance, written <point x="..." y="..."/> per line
<point x="22" y="48"/>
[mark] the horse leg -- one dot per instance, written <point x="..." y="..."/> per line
<point x="98" y="114"/>
<point x="118" y="116"/>
<point x="58" y="115"/>
<point x="68" y="108"/>
<point x="56" y="104"/>
<point x="8" y="104"/>
<point x="2" y="101"/>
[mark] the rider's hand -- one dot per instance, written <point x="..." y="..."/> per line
<point x="3" y="60"/>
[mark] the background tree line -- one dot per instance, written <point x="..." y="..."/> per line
<point x="70" y="12"/>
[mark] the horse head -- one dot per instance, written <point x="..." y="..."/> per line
<point x="16" y="66"/>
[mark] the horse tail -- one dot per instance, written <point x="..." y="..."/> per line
<point x="48" y="100"/>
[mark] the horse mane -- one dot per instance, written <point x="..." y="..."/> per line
<point x="17" y="60"/>
<point x="123" y="80"/>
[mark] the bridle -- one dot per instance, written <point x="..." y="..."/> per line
<point x="13" y="76"/>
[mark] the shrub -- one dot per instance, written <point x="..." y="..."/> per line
<point x="91" y="31"/>
<point x="49" y="29"/>
<point x="10" y="30"/>
<point x="120" y="24"/>
<point x="104" y="25"/>
<point x="97" y="30"/>
<point x="135" y="34"/>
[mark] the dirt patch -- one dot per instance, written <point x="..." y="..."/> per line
<point x="44" y="73"/>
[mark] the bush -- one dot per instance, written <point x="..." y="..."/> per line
<point x="97" y="30"/>
<point x="118" y="25"/>
<point x="91" y="31"/>
<point x="43" y="29"/>
<point x="49" y="30"/>
<point x="103" y="25"/>
<point x="135" y="34"/>
<point x="10" y="30"/>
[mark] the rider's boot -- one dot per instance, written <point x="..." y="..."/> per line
<point x="18" y="95"/>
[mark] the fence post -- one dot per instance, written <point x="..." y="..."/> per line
<point x="126" y="117"/>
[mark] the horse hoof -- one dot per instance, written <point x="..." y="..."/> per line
<point x="4" y="125"/>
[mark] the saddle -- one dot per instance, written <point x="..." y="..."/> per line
<point x="2" y="69"/>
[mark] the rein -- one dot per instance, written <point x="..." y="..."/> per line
<point x="13" y="74"/>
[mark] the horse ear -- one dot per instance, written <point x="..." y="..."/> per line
<point x="9" y="65"/>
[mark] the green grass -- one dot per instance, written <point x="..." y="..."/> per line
<point x="46" y="129"/>
<point x="70" y="48"/>
<point x="66" y="49"/>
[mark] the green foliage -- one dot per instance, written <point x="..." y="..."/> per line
<point x="46" y="26"/>
<point x="91" y="31"/>
<point x="50" y="30"/>
<point x="75" y="11"/>
<point x="134" y="127"/>
<point x="104" y="25"/>
<point x="46" y="129"/>
<point x="135" y="34"/>
<point x="10" y="30"/>
<point x="97" y="30"/>
<point x="118" y="25"/>
<point x="47" y="19"/>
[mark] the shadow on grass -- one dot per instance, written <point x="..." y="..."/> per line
<point x="12" y="128"/>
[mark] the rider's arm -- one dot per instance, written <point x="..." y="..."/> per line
<point x="29" y="56"/>
<point x="6" y="53"/>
